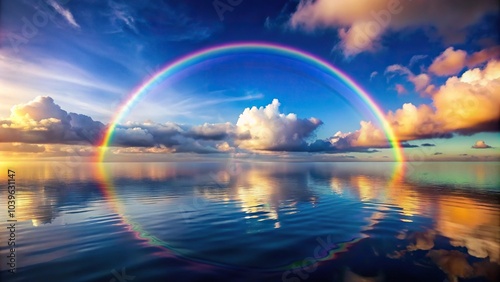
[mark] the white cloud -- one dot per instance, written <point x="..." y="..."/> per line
<point x="269" y="129"/>
<point x="67" y="15"/>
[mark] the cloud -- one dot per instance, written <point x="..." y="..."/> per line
<point x="41" y="121"/>
<point x="463" y="105"/>
<point x="373" y="74"/>
<point x="55" y="78"/>
<point x="269" y="129"/>
<point x="407" y="145"/>
<point x="482" y="56"/>
<point x="452" y="61"/>
<point x="121" y="15"/>
<point x="416" y="58"/>
<point x="20" y="147"/>
<point x="420" y="81"/>
<point x="469" y="104"/>
<point x="369" y="135"/>
<point x="175" y="138"/>
<point x="67" y="15"/>
<point x="480" y="144"/>
<point x="362" y="24"/>
<point x="400" y="89"/>
<point x="220" y="131"/>
<point x="427" y="145"/>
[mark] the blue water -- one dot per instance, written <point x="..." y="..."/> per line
<point x="250" y="221"/>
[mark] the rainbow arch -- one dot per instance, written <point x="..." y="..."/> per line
<point x="236" y="48"/>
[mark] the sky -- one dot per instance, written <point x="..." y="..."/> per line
<point x="432" y="67"/>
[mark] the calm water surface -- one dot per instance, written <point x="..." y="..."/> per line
<point x="242" y="221"/>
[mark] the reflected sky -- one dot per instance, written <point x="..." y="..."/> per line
<point x="240" y="214"/>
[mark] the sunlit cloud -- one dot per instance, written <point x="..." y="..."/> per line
<point x="452" y="61"/>
<point x="480" y="144"/>
<point x="463" y="105"/>
<point x="20" y="147"/>
<point x="41" y="121"/>
<point x="361" y="24"/>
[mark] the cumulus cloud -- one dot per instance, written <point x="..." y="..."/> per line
<point x="41" y="121"/>
<point x="175" y="138"/>
<point x="480" y="144"/>
<point x="452" y="61"/>
<point x="470" y="103"/>
<point x="269" y="129"/>
<point x="361" y="24"/>
<point x="463" y="105"/>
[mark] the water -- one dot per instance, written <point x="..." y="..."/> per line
<point x="249" y="221"/>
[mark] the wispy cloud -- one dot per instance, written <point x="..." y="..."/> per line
<point x="64" y="12"/>
<point x="420" y="81"/>
<point x="121" y="13"/>
<point x="36" y="75"/>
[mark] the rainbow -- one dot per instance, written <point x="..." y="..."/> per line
<point x="191" y="60"/>
<point x="238" y="48"/>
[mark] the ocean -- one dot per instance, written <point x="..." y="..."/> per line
<point x="240" y="220"/>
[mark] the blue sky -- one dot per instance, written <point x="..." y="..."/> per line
<point x="88" y="56"/>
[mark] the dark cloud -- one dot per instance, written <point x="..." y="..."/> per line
<point x="407" y="145"/>
<point x="44" y="122"/>
<point x="427" y="145"/>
